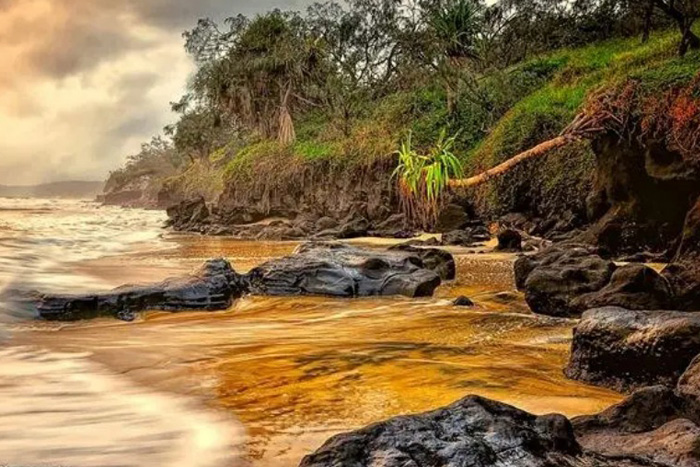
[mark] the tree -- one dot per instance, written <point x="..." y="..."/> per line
<point x="360" y="49"/>
<point x="252" y="73"/>
<point x="684" y="13"/>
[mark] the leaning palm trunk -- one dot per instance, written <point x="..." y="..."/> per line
<point x="583" y="126"/>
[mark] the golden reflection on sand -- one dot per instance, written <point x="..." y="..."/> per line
<point x="296" y="370"/>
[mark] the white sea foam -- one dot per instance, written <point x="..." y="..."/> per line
<point x="63" y="409"/>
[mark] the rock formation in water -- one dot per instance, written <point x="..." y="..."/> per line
<point x="556" y="277"/>
<point x="567" y="279"/>
<point x="657" y="424"/>
<point x="625" y="349"/>
<point x="214" y="286"/>
<point x="314" y="269"/>
<point x="474" y="432"/>
<point x="341" y="270"/>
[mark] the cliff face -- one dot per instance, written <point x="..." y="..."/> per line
<point x="641" y="195"/>
<point x="320" y="190"/>
<point x="139" y="192"/>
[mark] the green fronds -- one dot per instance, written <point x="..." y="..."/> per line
<point x="423" y="178"/>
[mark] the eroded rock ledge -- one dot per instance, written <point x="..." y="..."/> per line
<point x="657" y="426"/>
<point x="313" y="269"/>
<point x="477" y="432"/>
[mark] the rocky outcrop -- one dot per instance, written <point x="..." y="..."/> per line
<point x="314" y="269"/>
<point x="641" y="193"/>
<point x="435" y="259"/>
<point x="658" y="424"/>
<point x="567" y="279"/>
<point x="509" y="240"/>
<point x="188" y="215"/>
<point x="341" y="270"/>
<point x="554" y="278"/>
<point x="635" y="287"/>
<point x="213" y="287"/>
<point x="474" y="432"/>
<point x="684" y="272"/>
<point x="625" y="349"/>
<point x="650" y="425"/>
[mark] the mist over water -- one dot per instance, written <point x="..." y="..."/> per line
<point x="41" y="240"/>
<point x="61" y="408"/>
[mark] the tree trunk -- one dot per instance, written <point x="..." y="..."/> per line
<point x="684" y="22"/>
<point x="689" y="40"/>
<point x="538" y="151"/>
<point x="648" y="14"/>
<point x="286" y="134"/>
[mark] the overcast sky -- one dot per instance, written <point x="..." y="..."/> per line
<point x="84" y="82"/>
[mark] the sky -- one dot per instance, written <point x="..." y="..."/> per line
<point x="84" y="82"/>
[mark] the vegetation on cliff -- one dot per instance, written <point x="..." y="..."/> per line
<point x="283" y="94"/>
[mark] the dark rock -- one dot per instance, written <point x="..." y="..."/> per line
<point x="688" y="391"/>
<point x="440" y="261"/>
<point x="473" y="432"/>
<point x="554" y="278"/>
<point x="341" y="270"/>
<point x="457" y="238"/>
<point x="626" y="349"/>
<point x="480" y="233"/>
<point x="509" y="240"/>
<point x="453" y="217"/>
<point x="394" y="223"/>
<point x="635" y="287"/>
<point x="188" y="214"/>
<point x="213" y="287"/>
<point x="432" y="241"/>
<point x="463" y="301"/>
<point x="644" y="410"/>
<point x="641" y="193"/>
<point x="353" y="228"/>
<point x="684" y="272"/>
<point x="326" y="223"/>
<point x="650" y="425"/>
<point x="515" y="220"/>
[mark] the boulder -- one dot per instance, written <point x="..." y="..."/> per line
<point x="473" y="432"/>
<point x="634" y="287"/>
<point x="325" y="223"/>
<point x="213" y="287"/>
<point x="554" y="278"/>
<point x="353" y="227"/>
<point x="654" y="424"/>
<point x="509" y="240"/>
<point x="188" y="214"/>
<point x="688" y="390"/>
<point x="345" y="271"/>
<point x="684" y="279"/>
<point x="463" y="301"/>
<point x="457" y="238"/>
<point x="435" y="259"/>
<point x="452" y="217"/>
<point x="629" y="349"/>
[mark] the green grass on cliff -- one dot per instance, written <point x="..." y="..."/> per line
<point x="525" y="105"/>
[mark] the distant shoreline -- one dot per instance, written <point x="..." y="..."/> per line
<point x="67" y="189"/>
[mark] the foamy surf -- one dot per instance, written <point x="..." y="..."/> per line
<point x="64" y="409"/>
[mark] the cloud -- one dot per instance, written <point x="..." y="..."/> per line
<point x="84" y="82"/>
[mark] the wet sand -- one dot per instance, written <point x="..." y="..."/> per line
<point x="296" y="370"/>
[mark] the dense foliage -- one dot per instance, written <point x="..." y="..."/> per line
<point x="345" y="82"/>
